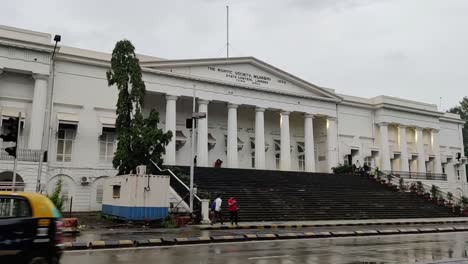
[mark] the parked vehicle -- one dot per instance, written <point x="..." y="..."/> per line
<point x="30" y="229"/>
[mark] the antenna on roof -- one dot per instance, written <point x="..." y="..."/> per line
<point x="227" y="31"/>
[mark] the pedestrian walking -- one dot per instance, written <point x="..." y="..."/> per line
<point x="218" y="216"/>
<point x="233" y="210"/>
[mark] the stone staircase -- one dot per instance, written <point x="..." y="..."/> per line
<point x="265" y="195"/>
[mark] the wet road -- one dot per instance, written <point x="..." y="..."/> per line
<point x="429" y="248"/>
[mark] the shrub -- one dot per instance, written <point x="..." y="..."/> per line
<point x="419" y="187"/>
<point x="56" y="197"/>
<point x="449" y="197"/>
<point x="343" y="169"/>
<point x="402" y="184"/>
<point x="434" y="191"/>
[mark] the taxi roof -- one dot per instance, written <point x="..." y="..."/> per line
<point x="41" y="205"/>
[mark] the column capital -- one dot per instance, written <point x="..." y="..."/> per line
<point x="285" y="112"/>
<point x="435" y="130"/>
<point x="259" y="109"/>
<point x="307" y="115"/>
<point x="232" y="105"/>
<point x="37" y="76"/>
<point x="381" y="124"/>
<point x="401" y="126"/>
<point x="171" y="97"/>
<point x="418" y="128"/>
<point x="203" y="101"/>
<point x="331" y="118"/>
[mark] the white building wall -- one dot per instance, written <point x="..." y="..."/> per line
<point x="81" y="90"/>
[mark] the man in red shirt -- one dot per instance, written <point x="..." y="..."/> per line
<point x="232" y="207"/>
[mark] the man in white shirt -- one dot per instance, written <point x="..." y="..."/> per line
<point x="218" y="216"/>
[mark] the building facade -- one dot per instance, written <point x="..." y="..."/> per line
<point x="258" y="117"/>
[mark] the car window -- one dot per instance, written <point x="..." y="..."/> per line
<point x="14" y="207"/>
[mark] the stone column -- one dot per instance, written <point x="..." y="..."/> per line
<point x="403" y="149"/>
<point x="285" y="162"/>
<point x="332" y="143"/>
<point x="202" y="144"/>
<point x="420" y="147"/>
<point x="384" y="148"/>
<point x="232" y="159"/>
<point x="205" y="211"/>
<point x="170" y="157"/>
<point x="259" y="138"/>
<point x="309" y="155"/>
<point x="38" y="111"/>
<point x="436" y="151"/>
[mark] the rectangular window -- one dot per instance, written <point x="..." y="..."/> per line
<point x="116" y="191"/>
<point x="65" y="138"/>
<point x="14" y="207"/>
<point x="107" y="144"/>
<point x="443" y="168"/>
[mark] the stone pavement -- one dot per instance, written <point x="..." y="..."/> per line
<point x="193" y="234"/>
<point x="289" y="224"/>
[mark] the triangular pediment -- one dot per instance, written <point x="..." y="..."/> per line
<point x="246" y="71"/>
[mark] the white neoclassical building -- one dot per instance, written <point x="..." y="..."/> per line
<point x="258" y="117"/>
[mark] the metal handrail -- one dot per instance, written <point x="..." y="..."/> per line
<point x="177" y="178"/>
<point x="427" y="188"/>
<point x="419" y="175"/>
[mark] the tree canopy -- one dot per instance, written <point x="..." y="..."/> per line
<point x="462" y="110"/>
<point x="139" y="139"/>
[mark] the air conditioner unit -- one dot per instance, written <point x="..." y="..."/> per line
<point x="85" y="180"/>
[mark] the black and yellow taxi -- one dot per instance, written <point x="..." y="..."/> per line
<point x="30" y="229"/>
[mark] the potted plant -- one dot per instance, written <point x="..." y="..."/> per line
<point x="402" y="185"/>
<point x="441" y="201"/>
<point x="427" y="196"/>
<point x="389" y="180"/>
<point x="464" y="203"/>
<point x="457" y="209"/>
<point x="420" y="188"/>
<point x="435" y="193"/>
<point x="449" y="200"/>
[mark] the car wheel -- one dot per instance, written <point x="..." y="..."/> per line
<point x="38" y="260"/>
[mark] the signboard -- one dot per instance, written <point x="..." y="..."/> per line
<point x="246" y="77"/>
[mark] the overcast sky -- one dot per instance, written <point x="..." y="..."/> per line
<point x="414" y="49"/>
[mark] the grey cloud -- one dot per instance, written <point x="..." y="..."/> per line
<point x="414" y="49"/>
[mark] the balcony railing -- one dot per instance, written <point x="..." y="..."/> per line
<point x="31" y="155"/>
<point x="420" y="175"/>
<point x="8" y="186"/>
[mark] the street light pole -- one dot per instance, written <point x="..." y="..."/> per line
<point x="192" y="156"/>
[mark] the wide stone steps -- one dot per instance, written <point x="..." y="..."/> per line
<point x="278" y="196"/>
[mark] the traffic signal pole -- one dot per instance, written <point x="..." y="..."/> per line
<point x="15" y="162"/>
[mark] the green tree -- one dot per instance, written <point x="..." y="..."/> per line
<point x="462" y="110"/>
<point x="139" y="138"/>
<point x="56" y="197"/>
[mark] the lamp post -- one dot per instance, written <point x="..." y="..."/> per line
<point x="57" y="39"/>
<point x="195" y="117"/>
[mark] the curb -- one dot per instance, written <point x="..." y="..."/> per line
<point x="277" y="226"/>
<point x="101" y="244"/>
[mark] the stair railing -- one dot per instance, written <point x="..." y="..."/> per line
<point x="183" y="190"/>
<point x="427" y="187"/>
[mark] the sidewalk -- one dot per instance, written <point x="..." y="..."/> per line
<point x="96" y="239"/>
<point x="329" y="223"/>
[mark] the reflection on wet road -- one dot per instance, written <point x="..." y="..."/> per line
<point x="430" y="248"/>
